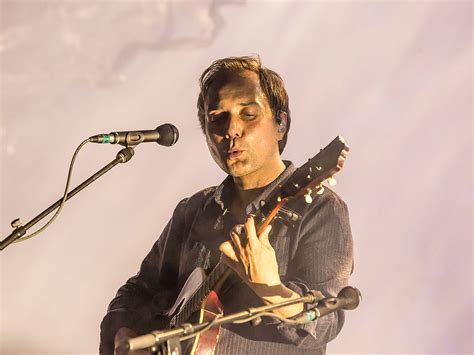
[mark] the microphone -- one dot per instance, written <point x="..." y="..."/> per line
<point x="166" y="135"/>
<point x="348" y="298"/>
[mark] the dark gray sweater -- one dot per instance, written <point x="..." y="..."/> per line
<point x="315" y="253"/>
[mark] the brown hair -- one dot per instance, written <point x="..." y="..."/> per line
<point x="271" y="83"/>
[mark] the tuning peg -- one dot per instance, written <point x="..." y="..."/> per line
<point x="307" y="196"/>
<point x="320" y="190"/>
<point x="331" y="181"/>
<point x="16" y="223"/>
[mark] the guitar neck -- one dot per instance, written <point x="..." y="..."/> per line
<point x="194" y="302"/>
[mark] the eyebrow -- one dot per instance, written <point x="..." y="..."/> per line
<point x="245" y="104"/>
<point x="248" y="103"/>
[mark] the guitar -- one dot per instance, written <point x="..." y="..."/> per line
<point x="200" y="291"/>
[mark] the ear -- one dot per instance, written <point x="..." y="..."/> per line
<point x="282" y="121"/>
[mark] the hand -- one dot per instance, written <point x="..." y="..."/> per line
<point x="251" y="256"/>
<point x="254" y="260"/>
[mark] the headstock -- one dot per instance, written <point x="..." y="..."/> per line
<point x="310" y="176"/>
<point x="324" y="166"/>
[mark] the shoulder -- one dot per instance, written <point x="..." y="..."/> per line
<point x="190" y="208"/>
<point x="326" y="202"/>
<point x="327" y="210"/>
<point x="196" y="201"/>
<point x="330" y="201"/>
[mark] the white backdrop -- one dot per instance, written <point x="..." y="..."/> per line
<point x="393" y="78"/>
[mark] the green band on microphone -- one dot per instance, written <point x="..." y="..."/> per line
<point x="310" y="316"/>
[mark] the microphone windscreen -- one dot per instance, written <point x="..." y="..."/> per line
<point x="350" y="297"/>
<point x="168" y="134"/>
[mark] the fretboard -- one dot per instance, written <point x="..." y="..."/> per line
<point x="194" y="302"/>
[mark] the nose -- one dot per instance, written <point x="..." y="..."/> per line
<point x="234" y="128"/>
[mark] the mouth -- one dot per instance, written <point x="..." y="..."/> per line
<point x="233" y="153"/>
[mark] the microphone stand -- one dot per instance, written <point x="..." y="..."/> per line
<point x="169" y="341"/>
<point x="123" y="156"/>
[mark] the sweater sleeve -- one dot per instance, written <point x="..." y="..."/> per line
<point x="322" y="261"/>
<point x="139" y="303"/>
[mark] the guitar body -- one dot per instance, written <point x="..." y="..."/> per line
<point x="204" y="343"/>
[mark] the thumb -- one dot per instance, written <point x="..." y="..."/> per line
<point x="264" y="235"/>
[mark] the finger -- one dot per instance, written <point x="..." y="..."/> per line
<point x="251" y="232"/>
<point x="237" y="242"/>
<point x="240" y="250"/>
<point x="264" y="236"/>
<point x="237" y="267"/>
<point x="228" y="250"/>
<point x="237" y="229"/>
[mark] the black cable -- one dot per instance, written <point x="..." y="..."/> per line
<point x="266" y="314"/>
<point x="71" y="165"/>
<point x="206" y="328"/>
<point x="248" y="319"/>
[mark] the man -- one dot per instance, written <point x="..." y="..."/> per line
<point x="243" y="111"/>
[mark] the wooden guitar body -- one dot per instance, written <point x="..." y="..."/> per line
<point x="204" y="343"/>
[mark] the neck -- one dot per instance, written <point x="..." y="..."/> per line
<point x="261" y="178"/>
<point x="247" y="188"/>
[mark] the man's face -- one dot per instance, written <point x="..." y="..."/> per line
<point x="241" y="132"/>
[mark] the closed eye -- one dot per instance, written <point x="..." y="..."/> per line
<point x="216" y="117"/>
<point x="248" y="116"/>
